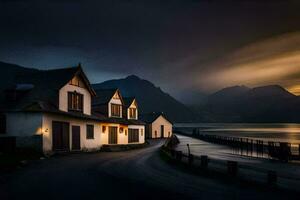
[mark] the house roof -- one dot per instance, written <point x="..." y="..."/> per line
<point x="105" y="95"/>
<point x="39" y="86"/>
<point x="123" y="121"/>
<point x="128" y="101"/>
<point x="151" y="117"/>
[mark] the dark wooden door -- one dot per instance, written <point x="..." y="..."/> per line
<point x="162" y="131"/>
<point x="133" y="135"/>
<point x="76" y="138"/>
<point x="60" y="136"/>
<point x="112" y="135"/>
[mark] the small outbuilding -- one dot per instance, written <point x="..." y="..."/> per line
<point x="157" y="125"/>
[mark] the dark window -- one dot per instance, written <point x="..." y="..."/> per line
<point x="132" y="113"/>
<point x="103" y="129"/>
<point x="115" y="110"/>
<point x="89" y="131"/>
<point x="133" y="135"/>
<point x="2" y="124"/>
<point x="75" y="101"/>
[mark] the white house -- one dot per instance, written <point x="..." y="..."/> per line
<point x="52" y="110"/>
<point x="157" y="125"/>
<point x="120" y="128"/>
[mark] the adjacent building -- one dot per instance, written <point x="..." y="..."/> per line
<point x="58" y="110"/>
<point x="157" y="125"/>
<point x="120" y="127"/>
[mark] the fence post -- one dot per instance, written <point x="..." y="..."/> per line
<point x="272" y="177"/>
<point x="204" y="161"/>
<point x="189" y="151"/>
<point x="173" y="153"/>
<point x="191" y="159"/>
<point x="179" y="155"/>
<point x="232" y="168"/>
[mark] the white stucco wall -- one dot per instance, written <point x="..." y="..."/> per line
<point x="23" y="124"/>
<point x="86" y="144"/>
<point x="156" y="127"/>
<point x="63" y="98"/>
<point x="122" y="137"/>
<point x="133" y="105"/>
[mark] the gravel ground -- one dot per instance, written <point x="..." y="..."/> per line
<point x="135" y="174"/>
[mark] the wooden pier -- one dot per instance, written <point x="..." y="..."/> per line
<point x="252" y="147"/>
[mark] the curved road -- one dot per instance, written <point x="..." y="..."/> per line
<point x="135" y="174"/>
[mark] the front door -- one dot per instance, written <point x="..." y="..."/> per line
<point x="162" y="131"/>
<point x="76" y="138"/>
<point x="60" y="136"/>
<point x="112" y="135"/>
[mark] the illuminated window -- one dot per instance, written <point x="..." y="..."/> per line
<point x="75" y="101"/>
<point x="132" y="113"/>
<point x="121" y="129"/>
<point x="115" y="110"/>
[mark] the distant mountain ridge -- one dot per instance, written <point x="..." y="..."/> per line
<point x="261" y="104"/>
<point x="233" y="104"/>
<point x="150" y="98"/>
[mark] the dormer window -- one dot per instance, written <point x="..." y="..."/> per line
<point x="75" y="102"/>
<point x="132" y="113"/>
<point x="115" y="110"/>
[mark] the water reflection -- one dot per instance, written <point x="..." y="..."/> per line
<point x="267" y="132"/>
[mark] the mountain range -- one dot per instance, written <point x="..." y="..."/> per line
<point x="150" y="98"/>
<point x="232" y="104"/>
<point x="270" y="103"/>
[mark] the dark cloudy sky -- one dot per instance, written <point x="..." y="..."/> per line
<point x="180" y="45"/>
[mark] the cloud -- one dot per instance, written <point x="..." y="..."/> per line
<point x="272" y="61"/>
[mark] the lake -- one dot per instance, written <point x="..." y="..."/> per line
<point x="281" y="132"/>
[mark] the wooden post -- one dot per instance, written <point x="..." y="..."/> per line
<point x="272" y="177"/>
<point x="232" y="168"/>
<point x="204" y="161"/>
<point x="189" y="151"/>
<point x="178" y="155"/>
<point x="191" y="159"/>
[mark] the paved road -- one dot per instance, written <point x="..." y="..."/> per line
<point x="136" y="174"/>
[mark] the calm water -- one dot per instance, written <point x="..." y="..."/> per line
<point x="268" y="132"/>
